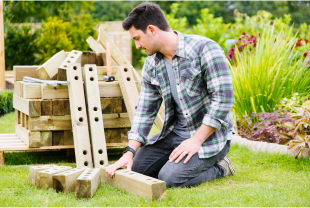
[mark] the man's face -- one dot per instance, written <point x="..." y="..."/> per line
<point x="145" y="41"/>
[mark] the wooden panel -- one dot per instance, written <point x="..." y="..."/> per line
<point x="79" y="117"/>
<point x="46" y="138"/>
<point x="116" y="120"/>
<point x="33" y="170"/>
<point x="50" y="123"/>
<point x="49" y="69"/>
<point x="136" y="183"/>
<point x="31" y="90"/>
<point x="128" y="88"/>
<point x="110" y="89"/>
<point x="58" y="107"/>
<point x="58" y="138"/>
<point x="67" y="107"/>
<point x="50" y="92"/>
<point x="46" y="107"/>
<point x="68" y="137"/>
<point x="30" y="107"/>
<point x="111" y="105"/>
<point x="87" y="183"/>
<point x="21" y="71"/>
<point x="31" y="139"/>
<point x="98" y="144"/>
<point x="73" y="57"/>
<point x="65" y="181"/>
<point x="45" y="177"/>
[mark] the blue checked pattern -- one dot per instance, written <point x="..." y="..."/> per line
<point x="205" y="92"/>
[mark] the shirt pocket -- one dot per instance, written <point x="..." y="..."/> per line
<point x="192" y="81"/>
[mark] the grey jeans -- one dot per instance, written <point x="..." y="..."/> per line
<point x="153" y="160"/>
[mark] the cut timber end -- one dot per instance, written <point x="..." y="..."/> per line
<point x="44" y="177"/>
<point x="136" y="183"/>
<point x="65" y="181"/>
<point x="33" y="170"/>
<point x="87" y="183"/>
<point x="73" y="57"/>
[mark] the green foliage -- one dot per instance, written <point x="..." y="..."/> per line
<point x="6" y="101"/>
<point x="263" y="77"/>
<point x="20" y="46"/>
<point x="54" y="38"/>
<point x="178" y="24"/>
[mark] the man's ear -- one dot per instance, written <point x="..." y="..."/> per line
<point x="152" y="29"/>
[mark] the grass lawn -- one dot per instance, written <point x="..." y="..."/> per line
<point x="261" y="179"/>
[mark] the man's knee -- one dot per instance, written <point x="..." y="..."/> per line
<point x="169" y="177"/>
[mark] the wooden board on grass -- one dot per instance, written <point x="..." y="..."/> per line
<point x="87" y="183"/>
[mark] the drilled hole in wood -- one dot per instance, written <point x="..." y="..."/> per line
<point x="80" y="108"/>
<point x="68" y="61"/>
<point x="128" y="78"/>
<point x="76" y="77"/>
<point x="148" y="179"/>
<point x="135" y="107"/>
<point x="90" y="69"/>
<point x="100" y="151"/>
<point x="84" y="152"/>
<point x="85" y="163"/>
<point x="125" y="70"/>
<point x="96" y="119"/>
<point x="101" y="162"/>
<point x="81" y="119"/>
<point x="74" y="68"/>
<point x="71" y="56"/>
<point x="65" y="66"/>
<point x="92" y="79"/>
<point x="95" y="108"/>
<point x="75" y="52"/>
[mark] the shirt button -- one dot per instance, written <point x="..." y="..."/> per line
<point x="186" y="114"/>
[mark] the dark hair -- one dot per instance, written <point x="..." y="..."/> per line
<point x="146" y="14"/>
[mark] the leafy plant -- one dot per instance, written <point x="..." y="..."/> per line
<point x="6" y="101"/>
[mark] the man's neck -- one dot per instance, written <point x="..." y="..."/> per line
<point x="170" y="42"/>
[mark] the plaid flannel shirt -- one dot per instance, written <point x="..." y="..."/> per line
<point x="204" y="87"/>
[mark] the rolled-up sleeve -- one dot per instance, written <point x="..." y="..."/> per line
<point x="219" y="85"/>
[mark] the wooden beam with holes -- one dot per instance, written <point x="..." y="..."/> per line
<point x="65" y="181"/>
<point x="99" y="152"/>
<point x="45" y="177"/>
<point x="79" y="119"/>
<point x="73" y="57"/>
<point x="33" y="170"/>
<point x="49" y="69"/>
<point x="136" y="183"/>
<point x="128" y="88"/>
<point x="87" y="183"/>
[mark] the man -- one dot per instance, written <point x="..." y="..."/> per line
<point x="191" y="75"/>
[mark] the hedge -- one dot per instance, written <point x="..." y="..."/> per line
<point x="6" y="101"/>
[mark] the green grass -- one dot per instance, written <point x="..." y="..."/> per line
<point x="262" y="179"/>
<point x="7" y="123"/>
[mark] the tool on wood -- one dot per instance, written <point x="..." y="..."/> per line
<point x="109" y="78"/>
<point x="49" y="82"/>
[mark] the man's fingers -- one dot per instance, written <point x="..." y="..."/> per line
<point x="176" y="154"/>
<point x="181" y="157"/>
<point x="189" y="156"/>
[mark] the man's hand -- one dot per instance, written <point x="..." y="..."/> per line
<point x="125" y="161"/>
<point x="188" y="147"/>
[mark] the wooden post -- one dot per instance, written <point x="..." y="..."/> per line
<point x="1" y="158"/>
<point x="87" y="183"/>
<point x="2" y="60"/>
<point x="109" y="69"/>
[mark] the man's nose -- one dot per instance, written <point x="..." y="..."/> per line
<point x="138" y="46"/>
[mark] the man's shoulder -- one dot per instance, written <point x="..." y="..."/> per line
<point x="197" y="40"/>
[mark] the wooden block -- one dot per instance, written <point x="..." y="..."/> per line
<point x="31" y="139"/>
<point x="111" y="105"/>
<point x="21" y="71"/>
<point x="65" y="181"/>
<point x="49" y="69"/>
<point x="107" y="134"/>
<point x="46" y="107"/>
<point x="116" y="120"/>
<point x="128" y="88"/>
<point x="58" y="107"/>
<point x="73" y="57"/>
<point x="50" y="123"/>
<point x="115" y="136"/>
<point x="26" y="120"/>
<point x="33" y="170"/>
<point x="124" y="136"/>
<point x="22" y="118"/>
<point x="50" y="92"/>
<point x="31" y="108"/>
<point x="17" y="117"/>
<point x="45" y="177"/>
<point x="87" y="183"/>
<point x="79" y="117"/>
<point x="68" y="137"/>
<point x="67" y="107"/>
<point x="109" y="89"/>
<point x="91" y="58"/>
<point x="105" y="105"/>
<point x="58" y="138"/>
<point x="136" y="183"/>
<point x="1" y="158"/>
<point x="31" y="90"/>
<point x="46" y="138"/>
<point x="17" y="88"/>
<point x="98" y="144"/>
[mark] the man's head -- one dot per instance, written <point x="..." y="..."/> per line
<point x="144" y="23"/>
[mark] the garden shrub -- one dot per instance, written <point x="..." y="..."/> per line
<point x="6" y="101"/>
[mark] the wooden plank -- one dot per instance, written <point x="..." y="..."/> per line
<point x="89" y="57"/>
<point x="58" y="138"/>
<point x="43" y="148"/>
<point x="136" y="183"/>
<point x="73" y="57"/>
<point x="17" y="117"/>
<point x="128" y="88"/>
<point x="94" y="45"/>
<point x="50" y="123"/>
<point x="7" y="135"/>
<point x="31" y="90"/>
<point x="58" y="107"/>
<point x="116" y="120"/>
<point x="26" y="118"/>
<point x="68" y="137"/>
<point x="21" y="71"/>
<point x="87" y="183"/>
<point x="2" y="60"/>
<point x="45" y="177"/>
<point x="110" y="89"/>
<point x="46" y="138"/>
<point x="31" y="108"/>
<point x="124" y="136"/>
<point x="50" y="92"/>
<point x="79" y="117"/>
<point x="111" y="105"/>
<point x="102" y="71"/>
<point x="98" y="144"/>
<point x="65" y="181"/>
<point x="17" y="88"/>
<point x="46" y="107"/>
<point x="49" y="69"/>
<point x="115" y="136"/>
<point x="2" y="161"/>
<point x="67" y="107"/>
<point x="31" y="139"/>
<point x="33" y="170"/>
